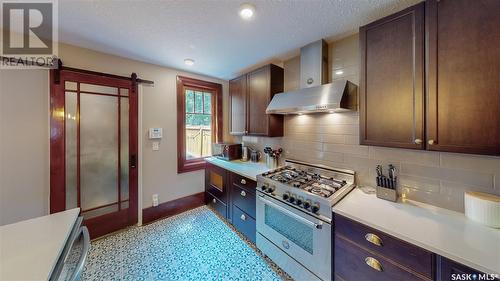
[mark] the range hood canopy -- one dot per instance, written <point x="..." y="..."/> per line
<point x="314" y="95"/>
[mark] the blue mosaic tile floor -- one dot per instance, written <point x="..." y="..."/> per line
<point x="195" y="245"/>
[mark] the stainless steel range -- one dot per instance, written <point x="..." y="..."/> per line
<point x="294" y="216"/>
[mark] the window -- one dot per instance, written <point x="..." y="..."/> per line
<point x="199" y="121"/>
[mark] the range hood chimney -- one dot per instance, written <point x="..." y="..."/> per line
<point x="314" y="94"/>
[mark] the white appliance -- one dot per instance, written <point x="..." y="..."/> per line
<point x="294" y="216"/>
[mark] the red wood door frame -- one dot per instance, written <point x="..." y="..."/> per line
<point x="110" y="222"/>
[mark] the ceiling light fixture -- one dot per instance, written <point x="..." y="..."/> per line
<point x="189" y="62"/>
<point x="246" y="11"/>
<point x="339" y="72"/>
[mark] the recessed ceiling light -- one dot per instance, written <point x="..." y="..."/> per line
<point x="189" y="62"/>
<point x="339" y="72"/>
<point x="246" y="11"/>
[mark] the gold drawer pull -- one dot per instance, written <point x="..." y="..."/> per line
<point x="243" y="181"/>
<point x="243" y="217"/>
<point x="243" y="193"/>
<point x="373" y="263"/>
<point x="374" y="239"/>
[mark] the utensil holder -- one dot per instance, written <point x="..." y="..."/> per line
<point x="271" y="162"/>
<point x="387" y="194"/>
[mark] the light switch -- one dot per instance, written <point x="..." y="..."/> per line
<point x="156" y="145"/>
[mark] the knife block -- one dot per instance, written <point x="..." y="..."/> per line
<point x="387" y="194"/>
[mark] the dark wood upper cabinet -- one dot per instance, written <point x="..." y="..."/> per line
<point x="238" y="105"/>
<point x="463" y="98"/>
<point x="249" y="97"/>
<point x="392" y="80"/>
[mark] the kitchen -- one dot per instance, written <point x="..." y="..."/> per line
<point x="310" y="125"/>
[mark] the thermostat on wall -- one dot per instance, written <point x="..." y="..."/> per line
<point x="155" y="133"/>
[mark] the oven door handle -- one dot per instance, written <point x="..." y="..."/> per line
<point x="283" y="210"/>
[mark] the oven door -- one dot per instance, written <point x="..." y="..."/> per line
<point x="303" y="237"/>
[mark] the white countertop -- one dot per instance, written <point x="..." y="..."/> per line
<point x="247" y="169"/>
<point x="29" y="249"/>
<point x="444" y="232"/>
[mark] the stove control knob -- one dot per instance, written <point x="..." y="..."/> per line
<point x="263" y="187"/>
<point x="286" y="195"/>
<point x="292" y="198"/>
<point x="315" y="208"/>
<point x="270" y="189"/>
<point x="300" y="200"/>
<point x="307" y="204"/>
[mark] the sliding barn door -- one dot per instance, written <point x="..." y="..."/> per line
<point x="94" y="149"/>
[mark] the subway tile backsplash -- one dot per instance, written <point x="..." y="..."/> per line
<point x="333" y="139"/>
<point x="431" y="177"/>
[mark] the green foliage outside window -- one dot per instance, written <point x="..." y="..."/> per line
<point x="198" y="108"/>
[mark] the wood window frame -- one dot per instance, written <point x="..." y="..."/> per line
<point x="184" y="165"/>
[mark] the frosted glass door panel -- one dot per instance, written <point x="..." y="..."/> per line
<point x="124" y="149"/>
<point x="98" y="150"/>
<point x="71" y="125"/>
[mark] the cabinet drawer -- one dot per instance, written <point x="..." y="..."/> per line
<point x="244" y="223"/>
<point x="351" y="263"/>
<point x="410" y="256"/>
<point x="244" y="199"/>
<point x="216" y="204"/>
<point x="241" y="181"/>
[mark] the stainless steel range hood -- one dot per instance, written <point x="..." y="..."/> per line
<point x="314" y="95"/>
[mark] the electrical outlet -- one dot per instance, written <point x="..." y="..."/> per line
<point x="155" y="200"/>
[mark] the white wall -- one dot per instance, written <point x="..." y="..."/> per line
<point x="25" y="155"/>
<point x="24" y="144"/>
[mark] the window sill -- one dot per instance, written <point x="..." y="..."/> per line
<point x="192" y="165"/>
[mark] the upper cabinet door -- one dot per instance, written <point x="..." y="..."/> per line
<point x="258" y="99"/>
<point x="463" y="110"/>
<point x="392" y="80"/>
<point x="238" y="96"/>
<point x="263" y="84"/>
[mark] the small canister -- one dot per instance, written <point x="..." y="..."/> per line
<point x="244" y="153"/>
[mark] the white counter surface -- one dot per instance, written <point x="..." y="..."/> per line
<point x="29" y="249"/>
<point x="247" y="169"/>
<point x="444" y="232"/>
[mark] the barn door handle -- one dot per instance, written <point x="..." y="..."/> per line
<point x="133" y="161"/>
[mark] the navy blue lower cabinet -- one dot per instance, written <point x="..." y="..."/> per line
<point x="451" y="270"/>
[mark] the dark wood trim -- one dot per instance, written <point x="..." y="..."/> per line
<point x="183" y="82"/>
<point x="57" y="146"/>
<point x="133" y="150"/>
<point x="173" y="207"/>
<point x="107" y="223"/>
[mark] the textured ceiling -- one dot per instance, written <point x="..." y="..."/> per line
<point x="165" y="32"/>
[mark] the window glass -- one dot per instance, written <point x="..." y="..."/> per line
<point x="198" y="102"/>
<point x="198" y="124"/>
<point x="207" y="98"/>
<point x="189" y="101"/>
